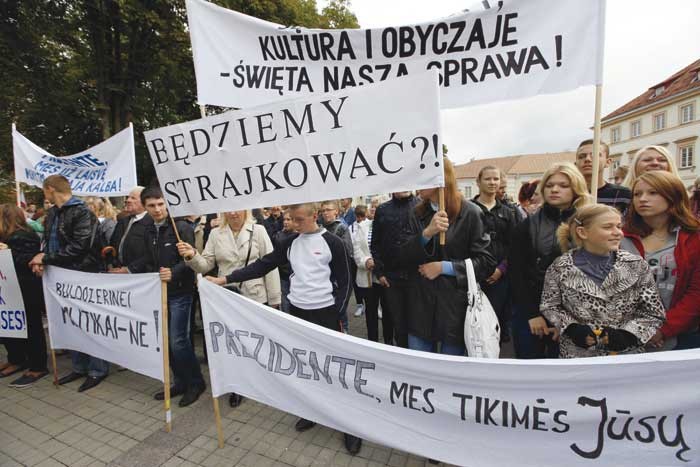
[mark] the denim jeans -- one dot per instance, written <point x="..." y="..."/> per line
<point x="183" y="361"/>
<point x="527" y="345"/>
<point x="284" y="288"/>
<point x="418" y="343"/>
<point x="85" y="364"/>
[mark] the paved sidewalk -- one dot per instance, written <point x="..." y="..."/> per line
<point x="119" y="424"/>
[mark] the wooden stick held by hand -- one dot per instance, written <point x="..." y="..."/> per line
<point x="441" y="204"/>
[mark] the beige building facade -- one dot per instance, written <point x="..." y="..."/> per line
<point x="665" y="115"/>
<point x="518" y="169"/>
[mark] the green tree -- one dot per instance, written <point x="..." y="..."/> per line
<point x="76" y="72"/>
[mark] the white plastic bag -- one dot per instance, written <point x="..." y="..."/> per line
<point x="482" y="333"/>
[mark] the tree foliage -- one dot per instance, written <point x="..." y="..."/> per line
<point x="77" y="71"/>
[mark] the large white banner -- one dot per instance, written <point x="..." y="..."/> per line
<point x="115" y="317"/>
<point x="373" y="139"/>
<point x="514" y="50"/>
<point x="13" y="316"/>
<point x="108" y="169"/>
<point x="613" y="411"/>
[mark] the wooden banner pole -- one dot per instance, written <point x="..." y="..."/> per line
<point x="441" y="202"/>
<point x="177" y="234"/>
<point x="217" y="416"/>
<point x="17" y="187"/>
<point x="55" y="368"/>
<point x="165" y="346"/>
<point x="596" y="142"/>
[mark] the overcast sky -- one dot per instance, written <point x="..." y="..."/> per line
<point x="646" y="41"/>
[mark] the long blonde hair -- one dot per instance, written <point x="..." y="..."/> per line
<point x="632" y="174"/>
<point x="578" y="183"/>
<point x="585" y="216"/>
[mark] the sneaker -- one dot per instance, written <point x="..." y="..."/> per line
<point x="360" y="310"/>
<point x="28" y="378"/>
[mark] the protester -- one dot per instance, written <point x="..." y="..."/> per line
<point x="280" y="239"/>
<point x="331" y="222"/>
<point x="360" y="292"/>
<point x="563" y="190"/>
<point x="29" y="353"/>
<point x="609" y="194"/>
<point x="620" y="174"/>
<point x="103" y="209"/>
<point x="237" y="242"/>
<point x="69" y="233"/>
<point x="599" y="299"/>
<point x="274" y="222"/>
<point x="661" y="228"/>
<point x="390" y="229"/>
<point x="347" y="212"/>
<point x="161" y="255"/>
<point x="695" y="199"/>
<point x="499" y="222"/>
<point x="128" y="239"/>
<point x="363" y="278"/>
<point x="529" y="198"/>
<point x="648" y="159"/>
<point x="437" y="301"/>
<point x="320" y="280"/>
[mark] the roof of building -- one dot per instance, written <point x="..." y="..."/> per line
<point x="679" y="82"/>
<point x="512" y="165"/>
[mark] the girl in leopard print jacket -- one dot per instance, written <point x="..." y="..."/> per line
<point x="600" y="299"/>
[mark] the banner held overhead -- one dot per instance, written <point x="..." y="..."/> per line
<point x="515" y="50"/>
<point x="108" y="169"/>
<point x="581" y="412"/>
<point x="370" y="139"/>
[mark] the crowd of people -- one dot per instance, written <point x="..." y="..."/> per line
<point x="566" y="276"/>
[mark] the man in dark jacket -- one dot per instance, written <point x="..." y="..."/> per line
<point x="274" y="223"/>
<point x="70" y="230"/>
<point x="128" y="237"/>
<point x="391" y="229"/>
<point x="330" y="222"/>
<point x="161" y="256"/>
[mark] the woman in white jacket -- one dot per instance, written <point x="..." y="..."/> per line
<point x="237" y="242"/>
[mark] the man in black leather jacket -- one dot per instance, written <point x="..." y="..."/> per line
<point x="70" y="229"/>
<point x="390" y="229"/>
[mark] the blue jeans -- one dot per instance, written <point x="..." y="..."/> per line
<point x="418" y="343"/>
<point x="284" y="286"/>
<point x="527" y="345"/>
<point x="88" y="365"/>
<point x="688" y="340"/>
<point x="183" y="361"/>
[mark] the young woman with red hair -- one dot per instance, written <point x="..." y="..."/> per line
<point x="30" y="353"/>
<point x="661" y="228"/>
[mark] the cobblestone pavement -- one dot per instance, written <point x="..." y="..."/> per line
<point x="119" y="424"/>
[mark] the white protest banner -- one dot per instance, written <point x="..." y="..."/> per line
<point x="115" y="317"/>
<point x="514" y="50"/>
<point x="371" y="139"/>
<point x="13" y="316"/>
<point x="108" y="169"/>
<point x="618" y="411"/>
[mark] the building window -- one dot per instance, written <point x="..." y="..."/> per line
<point x="615" y="164"/>
<point x="687" y="113"/>
<point x="615" y="135"/>
<point x="659" y="121"/>
<point x="468" y="192"/>
<point x="686" y="154"/>
<point x="636" y="128"/>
